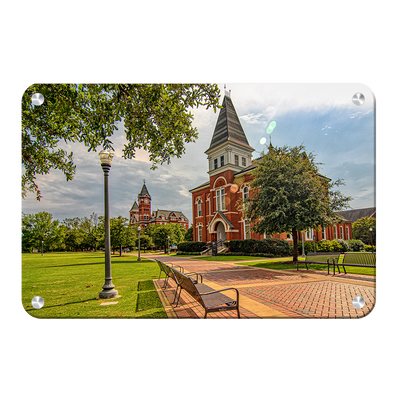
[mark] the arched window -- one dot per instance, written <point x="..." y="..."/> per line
<point x="245" y="192"/>
<point x="199" y="208"/>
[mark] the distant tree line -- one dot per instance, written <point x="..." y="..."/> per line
<point x="87" y="234"/>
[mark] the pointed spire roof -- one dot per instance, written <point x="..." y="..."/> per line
<point x="135" y="207"/>
<point x="144" y="191"/>
<point x="228" y="127"/>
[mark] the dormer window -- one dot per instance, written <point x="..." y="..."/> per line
<point x="243" y="161"/>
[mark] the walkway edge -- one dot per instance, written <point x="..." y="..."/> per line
<point x="164" y="301"/>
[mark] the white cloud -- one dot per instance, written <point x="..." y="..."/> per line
<point x="252" y="118"/>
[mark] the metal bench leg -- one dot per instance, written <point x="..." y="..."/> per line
<point x="177" y="296"/>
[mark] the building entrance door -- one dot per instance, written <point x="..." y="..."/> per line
<point x="221" y="234"/>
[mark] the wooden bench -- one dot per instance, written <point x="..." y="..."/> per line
<point x="321" y="258"/>
<point x="357" y="260"/>
<point x="211" y="300"/>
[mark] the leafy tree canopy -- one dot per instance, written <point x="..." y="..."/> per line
<point x="289" y="194"/>
<point x="156" y="118"/>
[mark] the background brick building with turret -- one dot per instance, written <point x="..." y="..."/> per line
<point x="140" y="213"/>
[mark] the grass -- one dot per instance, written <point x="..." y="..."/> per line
<point x="279" y="265"/>
<point x="70" y="284"/>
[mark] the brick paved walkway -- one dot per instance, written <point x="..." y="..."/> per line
<point x="272" y="294"/>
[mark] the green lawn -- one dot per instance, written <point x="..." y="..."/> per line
<point x="279" y="265"/>
<point x="70" y="284"/>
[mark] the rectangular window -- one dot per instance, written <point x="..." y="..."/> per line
<point x="216" y="163"/>
<point x="200" y="233"/>
<point x="348" y="233"/>
<point x="341" y="232"/>
<point x="335" y="232"/>
<point x="243" y="161"/>
<point x="236" y="160"/>
<point x="323" y="233"/>
<point x="247" y="234"/>
<point x="222" y="161"/>
<point x="220" y="197"/>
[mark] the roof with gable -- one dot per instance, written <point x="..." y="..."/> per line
<point x="167" y="214"/>
<point x="135" y="207"/>
<point x="354" y="215"/>
<point x="228" y="127"/>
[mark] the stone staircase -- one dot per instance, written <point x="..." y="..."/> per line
<point x="221" y="248"/>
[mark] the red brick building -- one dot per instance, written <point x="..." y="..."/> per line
<point x="216" y="203"/>
<point x="141" y="213"/>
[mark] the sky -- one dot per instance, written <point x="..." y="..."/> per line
<point x="322" y="117"/>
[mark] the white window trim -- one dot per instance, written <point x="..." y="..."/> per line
<point x="198" y="204"/>
<point x="220" y="199"/>
<point x="309" y="234"/>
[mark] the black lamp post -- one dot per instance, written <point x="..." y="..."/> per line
<point x="372" y="242"/>
<point x="42" y="247"/>
<point x="108" y="291"/>
<point x="168" y="245"/>
<point x="139" y="229"/>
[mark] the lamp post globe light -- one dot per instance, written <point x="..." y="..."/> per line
<point x="108" y="291"/>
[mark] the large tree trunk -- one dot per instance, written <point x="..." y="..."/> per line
<point x="295" y="252"/>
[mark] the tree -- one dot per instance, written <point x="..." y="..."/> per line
<point x="289" y="194"/>
<point x="361" y="230"/>
<point x="121" y="234"/>
<point x="38" y="228"/>
<point x="156" y="118"/>
<point x="160" y="233"/>
<point x="189" y="234"/>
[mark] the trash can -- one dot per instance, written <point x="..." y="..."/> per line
<point x="214" y="249"/>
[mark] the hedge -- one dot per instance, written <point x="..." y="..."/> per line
<point x="191" y="247"/>
<point x="329" y="246"/>
<point x="263" y="246"/>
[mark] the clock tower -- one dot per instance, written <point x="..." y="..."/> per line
<point x="144" y="203"/>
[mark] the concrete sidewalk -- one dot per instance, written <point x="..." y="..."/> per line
<point x="267" y="293"/>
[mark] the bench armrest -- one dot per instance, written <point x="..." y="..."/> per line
<point x="197" y="276"/>
<point x="178" y="266"/>
<point x="222" y="290"/>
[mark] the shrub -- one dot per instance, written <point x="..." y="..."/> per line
<point x="191" y="247"/>
<point x="344" y="244"/>
<point x="356" y="245"/>
<point x="263" y="246"/>
<point x="329" y="246"/>
<point x="369" y="248"/>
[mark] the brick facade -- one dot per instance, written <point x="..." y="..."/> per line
<point x="216" y="203"/>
